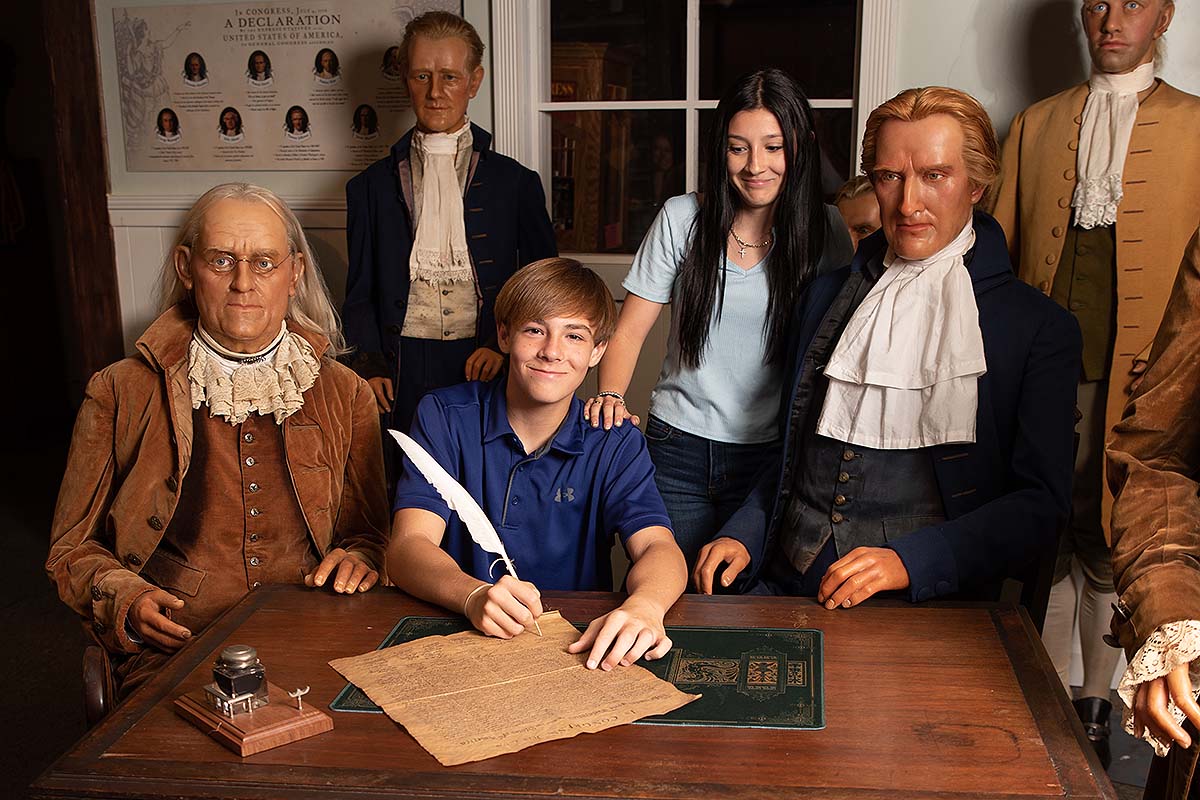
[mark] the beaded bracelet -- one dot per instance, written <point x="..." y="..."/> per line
<point x="619" y="397"/>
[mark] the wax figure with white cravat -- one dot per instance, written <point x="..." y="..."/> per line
<point x="927" y="422"/>
<point x="1099" y="193"/>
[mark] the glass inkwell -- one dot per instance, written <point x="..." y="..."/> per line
<point x="239" y="681"/>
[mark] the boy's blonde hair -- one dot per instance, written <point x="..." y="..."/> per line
<point x="557" y="287"/>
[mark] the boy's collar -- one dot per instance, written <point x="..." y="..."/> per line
<point x="568" y="438"/>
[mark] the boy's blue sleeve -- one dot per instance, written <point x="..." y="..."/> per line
<point x="631" y="501"/>
<point x="431" y="430"/>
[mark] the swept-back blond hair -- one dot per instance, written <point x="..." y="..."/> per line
<point x="981" y="153"/>
<point x="310" y="307"/>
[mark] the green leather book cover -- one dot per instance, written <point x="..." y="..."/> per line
<point x="748" y="677"/>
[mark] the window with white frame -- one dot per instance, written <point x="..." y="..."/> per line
<point x="624" y="91"/>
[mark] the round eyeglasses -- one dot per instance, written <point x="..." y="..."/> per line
<point x="224" y="263"/>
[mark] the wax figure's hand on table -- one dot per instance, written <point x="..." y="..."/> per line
<point x="863" y="572"/>
<point x="483" y="364"/>
<point x="353" y="573"/>
<point x="712" y="556"/>
<point x="1150" y="712"/>
<point x="382" y="387"/>
<point x="149" y="616"/>
<point x="623" y="635"/>
<point x="504" y="609"/>
<point x="608" y="410"/>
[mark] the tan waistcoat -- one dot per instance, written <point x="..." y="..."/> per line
<point x="1155" y="220"/>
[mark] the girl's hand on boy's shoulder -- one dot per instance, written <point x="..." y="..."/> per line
<point x="609" y="411"/>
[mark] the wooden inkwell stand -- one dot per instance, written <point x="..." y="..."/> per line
<point x="245" y="712"/>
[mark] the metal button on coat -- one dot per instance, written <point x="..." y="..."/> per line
<point x="847" y="455"/>
<point x="840" y="500"/>
<point x="254" y="561"/>
<point x="843" y="477"/>
<point x="254" y="512"/>
<point x="250" y="462"/>
<point x="155" y="523"/>
<point x="97" y="595"/>
<point x="445" y="312"/>
<point x="254" y="537"/>
<point x="248" y="438"/>
<point x="172" y="483"/>
<point x="256" y="584"/>
<point x="836" y="517"/>
<point x="253" y="487"/>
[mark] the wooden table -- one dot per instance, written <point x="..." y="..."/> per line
<point x="932" y="701"/>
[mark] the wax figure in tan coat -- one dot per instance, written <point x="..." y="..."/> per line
<point x="1117" y="286"/>
<point x="230" y="452"/>
<point x="1153" y="464"/>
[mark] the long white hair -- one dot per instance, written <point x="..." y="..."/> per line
<point x="310" y="308"/>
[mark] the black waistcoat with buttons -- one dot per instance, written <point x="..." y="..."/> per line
<point x="859" y="496"/>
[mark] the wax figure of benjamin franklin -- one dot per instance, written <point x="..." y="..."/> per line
<point x="230" y="452"/>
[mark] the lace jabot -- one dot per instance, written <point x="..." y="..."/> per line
<point x="1169" y="646"/>
<point x="271" y="381"/>
<point x="1109" y="114"/>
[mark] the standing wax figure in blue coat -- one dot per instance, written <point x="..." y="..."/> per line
<point x="434" y="230"/>
<point x="928" y="422"/>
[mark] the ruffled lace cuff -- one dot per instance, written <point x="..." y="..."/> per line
<point x="1169" y="646"/>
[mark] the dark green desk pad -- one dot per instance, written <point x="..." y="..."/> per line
<point x="748" y="677"/>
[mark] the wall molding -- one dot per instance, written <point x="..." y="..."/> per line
<point x="166" y="211"/>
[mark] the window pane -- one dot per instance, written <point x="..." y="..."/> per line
<point x="617" y="49"/>
<point x="811" y="39"/>
<point x="612" y="171"/>
<point x="834" y="134"/>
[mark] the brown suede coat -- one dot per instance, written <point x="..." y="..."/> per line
<point x="1154" y="474"/>
<point x="130" y="455"/>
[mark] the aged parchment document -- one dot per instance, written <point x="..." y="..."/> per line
<point x="468" y="696"/>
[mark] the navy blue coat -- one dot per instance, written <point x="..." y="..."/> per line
<point x="507" y="227"/>
<point x="1007" y="495"/>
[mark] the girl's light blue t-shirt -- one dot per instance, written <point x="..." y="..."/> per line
<point x="734" y="395"/>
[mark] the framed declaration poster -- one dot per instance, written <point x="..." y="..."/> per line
<point x="262" y="86"/>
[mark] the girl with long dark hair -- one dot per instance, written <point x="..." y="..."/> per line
<point x="733" y="264"/>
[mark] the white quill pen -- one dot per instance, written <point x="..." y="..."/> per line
<point x="458" y="499"/>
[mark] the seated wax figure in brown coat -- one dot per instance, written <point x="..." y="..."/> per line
<point x="1154" y="473"/>
<point x="232" y="451"/>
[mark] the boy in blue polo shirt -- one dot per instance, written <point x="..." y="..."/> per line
<point x="555" y="487"/>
